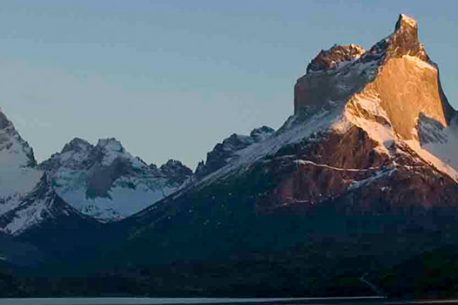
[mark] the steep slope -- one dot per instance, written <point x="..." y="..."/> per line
<point x="108" y="183"/>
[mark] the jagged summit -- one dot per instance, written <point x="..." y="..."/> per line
<point x="330" y="59"/>
<point x="176" y="171"/>
<point x="405" y="21"/>
<point x="403" y="41"/>
<point x="12" y="145"/>
<point x="76" y="144"/>
<point x="18" y="174"/>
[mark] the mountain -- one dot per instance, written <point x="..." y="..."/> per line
<point x="106" y="182"/>
<point x="365" y="167"/>
<point x="385" y="106"/>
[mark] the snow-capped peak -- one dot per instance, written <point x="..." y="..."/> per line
<point x="108" y="183"/>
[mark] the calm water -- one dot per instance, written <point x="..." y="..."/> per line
<point x="220" y="301"/>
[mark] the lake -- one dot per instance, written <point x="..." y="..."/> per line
<point x="219" y="301"/>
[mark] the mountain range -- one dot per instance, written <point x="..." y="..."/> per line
<point x="362" y="177"/>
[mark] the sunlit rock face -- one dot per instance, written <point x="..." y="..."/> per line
<point x="408" y="87"/>
<point x="407" y="82"/>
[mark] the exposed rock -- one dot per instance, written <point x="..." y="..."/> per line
<point x="330" y="59"/>
<point x="403" y="41"/>
<point x="175" y="171"/>
<point x="223" y="152"/>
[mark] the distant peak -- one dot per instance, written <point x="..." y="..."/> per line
<point x="174" y="165"/>
<point x="173" y="162"/>
<point x="76" y="144"/>
<point x="77" y="140"/>
<point x="403" y="41"/>
<point x="174" y="169"/>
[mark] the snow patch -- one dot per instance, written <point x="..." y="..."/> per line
<point x="382" y="133"/>
<point x="431" y="154"/>
<point x="121" y="201"/>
